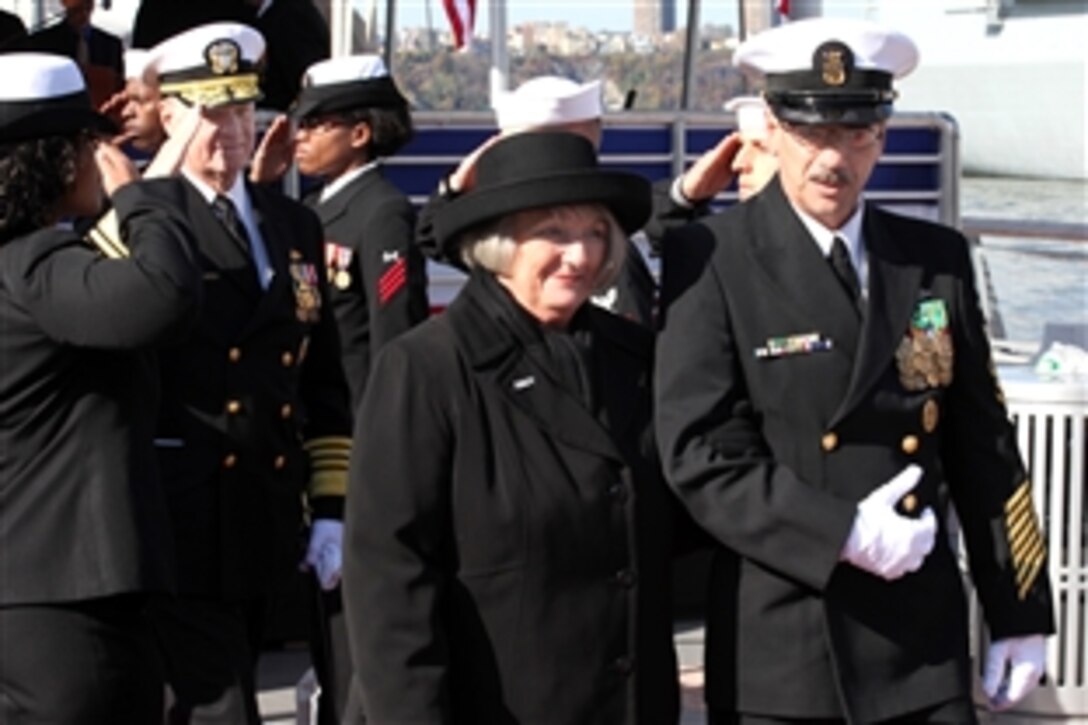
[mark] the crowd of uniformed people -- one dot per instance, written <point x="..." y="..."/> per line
<point x="206" y="386"/>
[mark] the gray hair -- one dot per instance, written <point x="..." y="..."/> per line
<point x="491" y="246"/>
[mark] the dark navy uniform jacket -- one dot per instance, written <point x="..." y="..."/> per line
<point x="778" y="410"/>
<point x="377" y="277"/>
<point x="82" y="511"/>
<point x="254" y="404"/>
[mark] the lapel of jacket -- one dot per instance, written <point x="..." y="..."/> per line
<point x="788" y="255"/>
<point x="894" y="281"/>
<point x="498" y="357"/>
<point x="227" y="258"/>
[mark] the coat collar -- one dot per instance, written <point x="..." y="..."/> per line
<point x="498" y="355"/>
<point x="341" y="201"/>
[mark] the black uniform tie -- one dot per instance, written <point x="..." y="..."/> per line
<point x="844" y="270"/>
<point x="224" y="210"/>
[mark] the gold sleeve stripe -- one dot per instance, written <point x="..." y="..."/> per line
<point x="1021" y="496"/>
<point x="1030" y="573"/>
<point x="106" y="236"/>
<point x="328" y="483"/>
<point x="1025" y="540"/>
<point x="328" y="443"/>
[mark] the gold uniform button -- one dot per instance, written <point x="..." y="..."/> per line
<point x="288" y="359"/>
<point x="910" y="503"/>
<point x="931" y="413"/>
<point x="909" y="445"/>
<point x="280" y="462"/>
<point x="234" y="354"/>
<point x="234" y="407"/>
<point x="286" y="410"/>
<point x="230" y="461"/>
<point x="829" y="442"/>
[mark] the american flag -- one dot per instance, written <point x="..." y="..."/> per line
<point x="461" y="13"/>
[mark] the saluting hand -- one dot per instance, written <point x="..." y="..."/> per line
<point x="275" y="152"/>
<point x="711" y="172"/>
<point x="180" y="131"/>
<point x="115" y="168"/>
<point x="884" y="542"/>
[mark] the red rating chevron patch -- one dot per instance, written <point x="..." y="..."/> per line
<point x="392" y="280"/>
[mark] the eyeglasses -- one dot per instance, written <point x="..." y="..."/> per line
<point x="857" y="138"/>
<point x="321" y="123"/>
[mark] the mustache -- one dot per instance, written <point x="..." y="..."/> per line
<point x="833" y="177"/>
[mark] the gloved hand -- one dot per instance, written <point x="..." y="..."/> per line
<point x="323" y="555"/>
<point x="1014" y="667"/>
<point x="885" y="543"/>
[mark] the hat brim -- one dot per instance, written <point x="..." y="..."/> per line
<point x="54" y="122"/>
<point x="626" y="195"/>
<point x="829" y="108"/>
<point x="347" y="96"/>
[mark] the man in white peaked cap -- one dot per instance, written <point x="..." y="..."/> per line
<point x="254" y="410"/>
<point x="820" y="388"/>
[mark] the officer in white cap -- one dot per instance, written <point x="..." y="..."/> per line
<point x="350" y="115"/>
<point x="82" y="516"/>
<point x="820" y="385"/>
<point x="254" y="403"/>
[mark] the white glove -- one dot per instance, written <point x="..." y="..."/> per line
<point x="323" y="555"/>
<point x="1014" y="667"/>
<point x="885" y="543"/>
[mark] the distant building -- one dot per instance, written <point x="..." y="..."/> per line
<point x="654" y="17"/>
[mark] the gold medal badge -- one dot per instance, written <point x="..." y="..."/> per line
<point x="924" y="357"/>
<point x="305" y="286"/>
<point x="338" y="264"/>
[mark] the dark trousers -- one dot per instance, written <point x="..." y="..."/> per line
<point x="210" y="650"/>
<point x="81" y="662"/>
<point x="329" y="652"/>
<point x="955" y="712"/>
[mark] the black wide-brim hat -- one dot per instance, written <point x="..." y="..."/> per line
<point x="45" y="95"/>
<point x="537" y="170"/>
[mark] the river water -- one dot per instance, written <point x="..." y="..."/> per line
<point x="1034" y="281"/>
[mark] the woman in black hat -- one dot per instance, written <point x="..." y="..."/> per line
<point x="508" y="535"/>
<point x="81" y="513"/>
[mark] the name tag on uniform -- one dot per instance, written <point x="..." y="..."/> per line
<point x="803" y="344"/>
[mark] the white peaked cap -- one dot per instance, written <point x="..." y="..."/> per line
<point x="751" y="114"/>
<point x="790" y="47"/>
<point x="548" y="101"/>
<point x="214" y="64"/>
<point x="38" y="76"/>
<point x="136" y="62"/>
<point x="345" y="69"/>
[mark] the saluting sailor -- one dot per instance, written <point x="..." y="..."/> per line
<point x="350" y="115"/>
<point x="83" y="524"/>
<point x="817" y="384"/>
<point x="255" y="406"/>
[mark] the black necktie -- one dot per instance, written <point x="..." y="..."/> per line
<point x="844" y="270"/>
<point x="224" y="210"/>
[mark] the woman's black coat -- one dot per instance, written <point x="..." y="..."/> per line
<point x="507" y="550"/>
